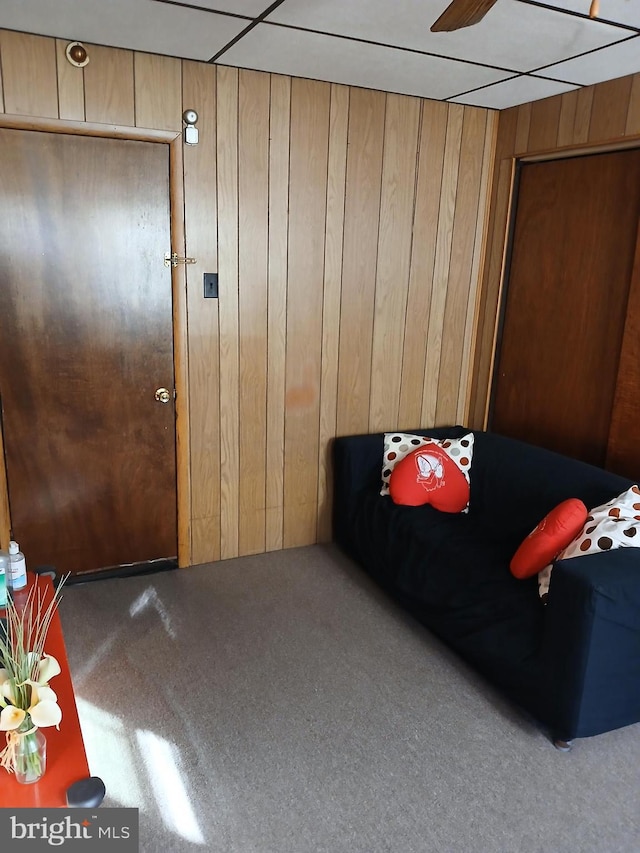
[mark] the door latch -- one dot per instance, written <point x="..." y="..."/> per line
<point x="171" y="259"/>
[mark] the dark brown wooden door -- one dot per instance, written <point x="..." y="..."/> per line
<point x="85" y="341"/>
<point x="572" y="256"/>
<point x="623" y="446"/>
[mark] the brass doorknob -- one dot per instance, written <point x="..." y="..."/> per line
<point x="163" y="395"/>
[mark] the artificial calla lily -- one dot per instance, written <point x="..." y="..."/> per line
<point x="47" y="668"/>
<point x="43" y="693"/>
<point x="44" y="708"/>
<point x="46" y="713"/>
<point x="11" y="718"/>
<point x="7" y="691"/>
<point x="4" y="678"/>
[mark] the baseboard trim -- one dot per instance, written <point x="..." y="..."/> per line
<point x="148" y="567"/>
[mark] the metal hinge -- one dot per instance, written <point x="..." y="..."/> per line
<point x="172" y="260"/>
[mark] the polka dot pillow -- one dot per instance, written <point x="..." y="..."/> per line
<point x="398" y="444"/>
<point x="615" y="524"/>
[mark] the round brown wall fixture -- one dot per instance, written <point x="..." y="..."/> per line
<point x="77" y="54"/>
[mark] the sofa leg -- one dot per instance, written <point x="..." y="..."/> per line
<point x="562" y="745"/>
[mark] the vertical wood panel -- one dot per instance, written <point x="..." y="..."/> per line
<point x="492" y="288"/>
<point x="583" y="115"/>
<point x="394" y="256"/>
<point x="5" y="520"/>
<point x="567" y="120"/>
<point x="508" y="122"/>
<point x="158" y="91"/>
<point x="336" y="179"/>
<point x="505" y="146"/>
<point x="227" y="180"/>
<point x="522" y="129"/>
<point x="277" y="306"/>
<point x="108" y="85"/>
<point x="362" y="214"/>
<point x="310" y="102"/>
<point x="253" y="208"/>
<point x="70" y="85"/>
<point x="545" y="119"/>
<point x="479" y="251"/>
<point x="1" y="92"/>
<point x="180" y="357"/>
<point x="462" y="245"/>
<point x="29" y="74"/>
<point x="442" y="260"/>
<point x="199" y="88"/>
<point x="632" y="126"/>
<point x="609" y="109"/>
<point x="425" y="227"/>
<point x="484" y="332"/>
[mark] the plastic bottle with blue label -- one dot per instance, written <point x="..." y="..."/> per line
<point x="4" y="574"/>
<point x="18" y="567"/>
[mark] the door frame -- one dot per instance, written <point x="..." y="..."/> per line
<point x="514" y="164"/>
<point x="173" y="139"/>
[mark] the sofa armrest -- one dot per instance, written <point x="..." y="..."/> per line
<point x="357" y="465"/>
<point x="591" y="644"/>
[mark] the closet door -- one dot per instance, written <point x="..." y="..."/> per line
<point x="572" y="255"/>
<point x="623" y="450"/>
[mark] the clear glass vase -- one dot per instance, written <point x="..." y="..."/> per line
<point x="30" y="757"/>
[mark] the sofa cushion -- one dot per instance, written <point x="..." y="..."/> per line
<point x="543" y="479"/>
<point x="428" y="475"/>
<point x="556" y="530"/>
<point x="398" y="444"/>
<point x="453" y="573"/>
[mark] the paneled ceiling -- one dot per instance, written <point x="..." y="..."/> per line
<point x="521" y="51"/>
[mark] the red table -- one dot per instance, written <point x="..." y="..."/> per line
<point x="66" y="757"/>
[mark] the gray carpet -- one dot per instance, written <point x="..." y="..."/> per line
<point x="281" y="704"/>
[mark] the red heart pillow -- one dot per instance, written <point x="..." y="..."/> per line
<point x="428" y="475"/>
<point x="552" y="535"/>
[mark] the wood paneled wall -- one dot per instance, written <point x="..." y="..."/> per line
<point x="347" y="228"/>
<point x="603" y="116"/>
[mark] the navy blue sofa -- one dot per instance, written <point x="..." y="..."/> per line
<point x="572" y="664"/>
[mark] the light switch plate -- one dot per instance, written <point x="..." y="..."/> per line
<point x="211" y="285"/>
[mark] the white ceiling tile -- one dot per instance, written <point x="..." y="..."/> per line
<point x="135" y="24"/>
<point x="249" y="8"/>
<point x="620" y="11"/>
<point x="509" y="93"/>
<point x="321" y="57"/>
<point x="512" y="35"/>
<point x="615" y="61"/>
<point x="397" y="22"/>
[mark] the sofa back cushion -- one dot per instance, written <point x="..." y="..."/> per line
<point x="516" y="484"/>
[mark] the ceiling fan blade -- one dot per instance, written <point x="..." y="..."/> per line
<point x="462" y="13"/>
